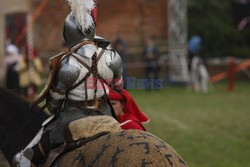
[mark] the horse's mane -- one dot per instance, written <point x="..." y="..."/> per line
<point x="13" y="111"/>
<point x="9" y="97"/>
<point x="18" y="122"/>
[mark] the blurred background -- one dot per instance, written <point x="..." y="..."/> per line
<point x="201" y="51"/>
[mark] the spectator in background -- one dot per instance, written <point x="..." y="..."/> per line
<point x="35" y="70"/>
<point x="199" y="75"/>
<point x="198" y="70"/>
<point x="23" y="69"/>
<point x="120" y="45"/>
<point x="194" y="48"/>
<point x="128" y="113"/>
<point x="151" y="56"/>
<point x="10" y="65"/>
<point x="30" y="68"/>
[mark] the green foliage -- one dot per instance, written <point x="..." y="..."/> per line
<point x="213" y="21"/>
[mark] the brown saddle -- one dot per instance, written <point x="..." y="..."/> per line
<point x="81" y="132"/>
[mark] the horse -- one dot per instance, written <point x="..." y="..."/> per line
<point x="92" y="141"/>
<point x="18" y="123"/>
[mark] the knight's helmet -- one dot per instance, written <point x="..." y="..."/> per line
<point x="80" y="24"/>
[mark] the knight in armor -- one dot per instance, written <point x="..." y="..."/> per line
<point x="80" y="79"/>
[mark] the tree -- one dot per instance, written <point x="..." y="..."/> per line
<point x="214" y="22"/>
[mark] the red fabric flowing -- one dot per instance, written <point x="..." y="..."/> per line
<point x="128" y="121"/>
<point x="94" y="14"/>
<point x="131" y="110"/>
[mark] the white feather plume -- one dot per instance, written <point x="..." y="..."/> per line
<point x="81" y="10"/>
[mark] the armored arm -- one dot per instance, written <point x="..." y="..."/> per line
<point x="116" y="66"/>
<point x="66" y="77"/>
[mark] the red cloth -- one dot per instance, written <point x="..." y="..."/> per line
<point x="94" y="14"/>
<point x="131" y="111"/>
<point x="128" y="121"/>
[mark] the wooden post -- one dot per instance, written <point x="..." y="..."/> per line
<point x="231" y="74"/>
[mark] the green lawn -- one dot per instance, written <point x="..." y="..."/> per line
<point x="207" y="130"/>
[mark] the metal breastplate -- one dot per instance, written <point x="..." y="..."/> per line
<point x="85" y="82"/>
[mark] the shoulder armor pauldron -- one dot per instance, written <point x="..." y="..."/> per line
<point x="67" y="75"/>
<point x="101" y="42"/>
<point x="116" y="64"/>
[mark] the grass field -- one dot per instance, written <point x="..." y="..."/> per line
<point x="207" y="130"/>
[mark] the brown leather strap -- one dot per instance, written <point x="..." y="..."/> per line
<point x="88" y="67"/>
<point x="86" y="94"/>
<point x="45" y="92"/>
<point x="100" y="55"/>
<point x="74" y="48"/>
<point x="77" y="46"/>
<point x="80" y="82"/>
<point x="94" y="72"/>
<point x="80" y="104"/>
<point x="76" y="144"/>
<point x="102" y="82"/>
<point x="100" y="77"/>
<point x="54" y="154"/>
<point x="87" y="75"/>
<point x="41" y="149"/>
<point x="80" y="61"/>
<point x="84" y="64"/>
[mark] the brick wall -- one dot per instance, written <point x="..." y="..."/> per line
<point x="48" y="27"/>
<point x="8" y="7"/>
<point x="133" y="19"/>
